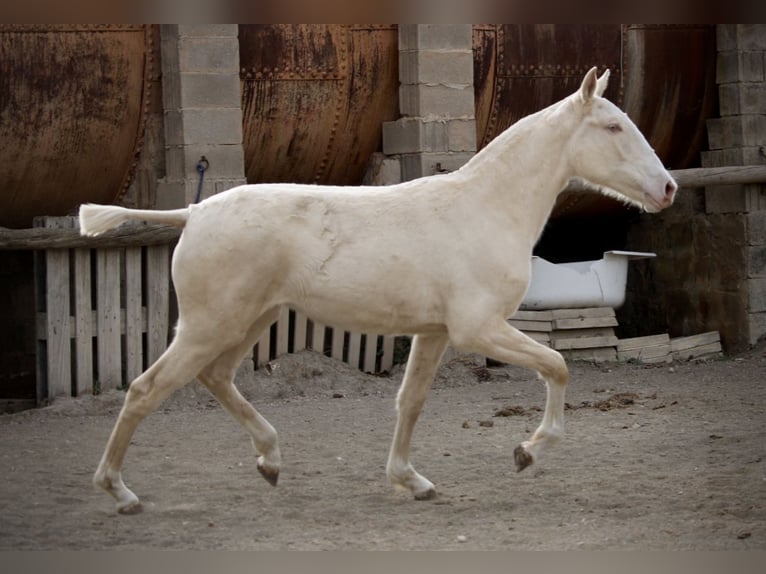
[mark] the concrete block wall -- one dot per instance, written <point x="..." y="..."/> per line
<point x="202" y="111"/>
<point x="710" y="273"/>
<point x="437" y="130"/>
<point x="738" y="137"/>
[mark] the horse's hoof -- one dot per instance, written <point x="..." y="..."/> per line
<point x="131" y="508"/>
<point x="271" y="475"/>
<point x="429" y="494"/>
<point x="522" y="458"/>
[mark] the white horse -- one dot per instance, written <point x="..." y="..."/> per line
<point x="445" y="258"/>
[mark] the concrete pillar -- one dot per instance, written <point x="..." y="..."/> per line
<point x="738" y="137"/>
<point x="202" y="111"/>
<point x="437" y="130"/>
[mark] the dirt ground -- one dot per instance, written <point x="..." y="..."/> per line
<point x="656" y="457"/>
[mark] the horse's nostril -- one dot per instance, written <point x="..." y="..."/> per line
<point x="670" y="188"/>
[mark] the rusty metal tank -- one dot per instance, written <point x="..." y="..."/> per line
<point x="314" y="98"/>
<point x="72" y="109"/>
<point x="662" y="76"/>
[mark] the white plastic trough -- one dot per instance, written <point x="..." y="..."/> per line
<point x="599" y="283"/>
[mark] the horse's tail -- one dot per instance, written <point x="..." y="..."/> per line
<point x="96" y="219"/>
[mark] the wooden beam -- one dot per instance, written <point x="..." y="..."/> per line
<point x="130" y="235"/>
<point x="706" y="176"/>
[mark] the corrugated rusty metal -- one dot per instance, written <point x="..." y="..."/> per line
<point x="72" y="109"/>
<point x="314" y="98"/>
<point x="663" y="77"/>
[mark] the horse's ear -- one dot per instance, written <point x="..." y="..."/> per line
<point x="602" y="83"/>
<point x="588" y="87"/>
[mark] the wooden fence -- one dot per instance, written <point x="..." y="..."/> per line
<point x="293" y="332"/>
<point x="103" y="316"/>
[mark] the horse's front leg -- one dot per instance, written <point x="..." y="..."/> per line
<point x="425" y="354"/>
<point x="499" y="340"/>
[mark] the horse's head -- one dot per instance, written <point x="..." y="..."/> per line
<point x="609" y="151"/>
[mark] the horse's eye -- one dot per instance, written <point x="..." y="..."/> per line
<point x="614" y="127"/>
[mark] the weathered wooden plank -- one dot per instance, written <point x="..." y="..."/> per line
<point x="317" y="337"/>
<point x="263" y="348"/>
<point x="133" y="327"/>
<point x="157" y="300"/>
<point x="708" y="176"/>
<point x="595" y="355"/>
<point x="59" y="344"/>
<point x="83" y="323"/>
<point x="387" y="360"/>
<point x="640" y="342"/>
<point x="283" y="331"/>
<point x="127" y="235"/>
<point x="42" y="318"/>
<point x="581" y="333"/>
<point x="108" y="345"/>
<point x="299" y="338"/>
<point x="354" y="349"/>
<point x="336" y="352"/>
<point x="644" y="353"/>
<point x="584" y="313"/>
<point x="699" y="351"/>
<point x="370" y="353"/>
<point x="683" y="343"/>
<point x="524" y="325"/>
<point x="521" y="315"/>
<point x="584" y="323"/>
<point x="584" y="343"/>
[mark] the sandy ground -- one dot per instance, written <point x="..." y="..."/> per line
<point x="656" y="457"/>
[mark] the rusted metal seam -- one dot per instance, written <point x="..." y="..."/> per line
<point x="343" y="69"/>
<point x="144" y="113"/>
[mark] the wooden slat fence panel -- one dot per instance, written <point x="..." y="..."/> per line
<point x="131" y="303"/>
<point x="378" y="355"/>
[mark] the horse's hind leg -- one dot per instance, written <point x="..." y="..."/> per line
<point x="176" y="367"/>
<point x="218" y="377"/>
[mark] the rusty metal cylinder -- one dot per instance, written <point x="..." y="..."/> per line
<point x="72" y="101"/>
<point x="662" y="76"/>
<point x="314" y="98"/>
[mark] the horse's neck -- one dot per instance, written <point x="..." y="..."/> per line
<point x="521" y="173"/>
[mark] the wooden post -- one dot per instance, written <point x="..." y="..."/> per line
<point x="157" y="300"/>
<point x="299" y="342"/>
<point x="108" y="319"/>
<point x="133" y="315"/>
<point x="55" y="378"/>
<point x="370" y="353"/>
<point x="83" y="319"/>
